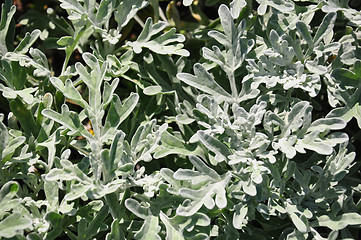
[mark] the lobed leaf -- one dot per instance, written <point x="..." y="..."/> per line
<point x="203" y="81"/>
<point x="339" y="222"/>
<point x="13" y="225"/>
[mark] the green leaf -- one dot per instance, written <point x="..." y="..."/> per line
<point x="66" y="40"/>
<point x="346" y="78"/>
<point x="227" y="22"/>
<point x="55" y="220"/>
<point x="194" y="176"/>
<point x="41" y="67"/>
<point x="27" y="42"/>
<point x="136" y="208"/>
<point x="313" y="142"/>
<point x="94" y="226"/>
<point x="4" y="136"/>
<point x="150" y="228"/>
<point x="303" y="30"/>
<point x="323" y="124"/>
<point x="198" y="219"/>
<point x="72" y="5"/>
<point x="117" y="113"/>
<point x="195" y="199"/>
<point x="297" y="235"/>
<point x="14" y="224"/>
<point x="236" y="47"/>
<point x="356" y="110"/>
<point x="314" y="68"/>
<point x="236" y="7"/>
<point x="152" y="90"/>
<point x="108" y="92"/>
<point x="127" y="9"/>
<point x="104" y="12"/>
<point x="115" y="232"/>
<point x="33" y="236"/>
<point x="347" y="114"/>
<point x="291" y="166"/>
<point x="8" y="191"/>
<point x="203" y="81"/>
<point x="213" y="144"/>
<point x="203" y="168"/>
<point x="339" y="222"/>
<point x="357" y="68"/>
<point x="326" y="26"/>
<point x="240" y="216"/>
<point x="168" y="175"/>
<point x="173" y="231"/>
<point x="59" y="174"/>
<point x="249" y="188"/>
<point x="7" y="12"/>
<point x="25" y="117"/>
<point x="300" y="222"/>
<point x="52" y="194"/>
<point x="281" y="5"/>
<point x="50" y="144"/>
<point x="119" y="66"/>
<point x="13" y="144"/>
<point x="68" y="172"/>
<point x="146" y="140"/>
<point x="173" y="145"/>
<point x="76" y="191"/>
<point x="297" y="116"/>
<point x="110" y="158"/>
<point x="201" y="197"/>
<point x="68" y="119"/>
<point x="26" y="94"/>
<point x="167" y="43"/>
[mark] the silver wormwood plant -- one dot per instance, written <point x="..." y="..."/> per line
<point x="194" y="119"/>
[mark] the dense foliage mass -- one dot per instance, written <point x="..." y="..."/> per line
<point x="136" y="119"/>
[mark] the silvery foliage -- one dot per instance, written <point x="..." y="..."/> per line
<point x="229" y="59"/>
<point x="262" y="143"/>
<point x="289" y="62"/>
<point x="245" y="153"/>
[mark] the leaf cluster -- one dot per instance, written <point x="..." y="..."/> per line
<point x="160" y="121"/>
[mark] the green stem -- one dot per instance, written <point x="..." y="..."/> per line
<point x="98" y="143"/>
<point x="232" y="82"/>
<point x="70" y="234"/>
<point x="69" y="50"/>
<point x="139" y="21"/>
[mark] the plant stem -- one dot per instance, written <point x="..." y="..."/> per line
<point x="69" y="50"/>
<point x="232" y="83"/>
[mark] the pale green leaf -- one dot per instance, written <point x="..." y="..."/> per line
<point x="236" y="7"/>
<point x="325" y="27"/>
<point x="27" y="42"/>
<point x="7" y="12"/>
<point x="173" y="231"/>
<point x="203" y="81"/>
<point x="14" y="224"/>
<point x="339" y="222"/>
